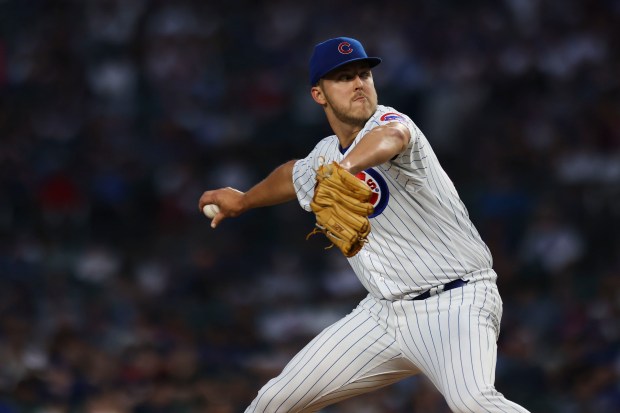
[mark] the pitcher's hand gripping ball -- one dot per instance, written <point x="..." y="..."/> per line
<point x="341" y="206"/>
<point x="210" y="210"/>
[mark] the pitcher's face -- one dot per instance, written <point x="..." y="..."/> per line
<point x="350" y="93"/>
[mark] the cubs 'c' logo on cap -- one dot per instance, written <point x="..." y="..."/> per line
<point x="345" y="48"/>
<point x="380" y="192"/>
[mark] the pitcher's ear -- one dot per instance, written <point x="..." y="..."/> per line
<point x="317" y="95"/>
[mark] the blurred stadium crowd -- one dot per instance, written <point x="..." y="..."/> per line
<point x="115" y="116"/>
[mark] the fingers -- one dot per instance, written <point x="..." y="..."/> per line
<point x="217" y="219"/>
<point x="228" y="200"/>
<point x="208" y="197"/>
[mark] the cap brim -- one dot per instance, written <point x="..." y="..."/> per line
<point x="373" y="61"/>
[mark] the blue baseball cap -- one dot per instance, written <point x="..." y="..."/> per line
<point x="334" y="53"/>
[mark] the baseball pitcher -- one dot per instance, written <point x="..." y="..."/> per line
<point x="380" y="195"/>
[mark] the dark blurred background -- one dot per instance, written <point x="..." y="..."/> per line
<point x="115" y="115"/>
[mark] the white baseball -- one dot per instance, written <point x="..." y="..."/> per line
<point x="210" y="210"/>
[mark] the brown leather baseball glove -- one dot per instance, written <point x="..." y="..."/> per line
<point x="341" y="206"/>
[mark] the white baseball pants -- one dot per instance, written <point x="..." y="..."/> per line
<point x="450" y="337"/>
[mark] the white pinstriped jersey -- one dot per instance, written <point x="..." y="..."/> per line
<point x="421" y="235"/>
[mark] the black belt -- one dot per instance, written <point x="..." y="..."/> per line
<point x="436" y="290"/>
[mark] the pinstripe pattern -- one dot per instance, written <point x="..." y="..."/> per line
<point x="353" y="356"/>
<point x="423" y="238"/>
<point x="450" y="337"/>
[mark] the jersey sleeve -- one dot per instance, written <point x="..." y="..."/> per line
<point x="304" y="170"/>
<point x="410" y="166"/>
